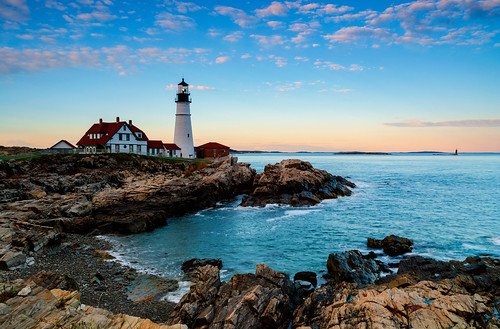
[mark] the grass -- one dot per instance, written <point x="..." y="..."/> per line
<point x="6" y="294"/>
<point x="20" y="157"/>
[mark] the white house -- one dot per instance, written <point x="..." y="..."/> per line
<point x="114" y="137"/>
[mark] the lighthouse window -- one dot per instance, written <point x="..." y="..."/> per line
<point x="188" y="135"/>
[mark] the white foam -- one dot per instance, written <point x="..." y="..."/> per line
<point x="175" y="296"/>
<point x="473" y="246"/>
<point x="495" y="240"/>
<point x="293" y="213"/>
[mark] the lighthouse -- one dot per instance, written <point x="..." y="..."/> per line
<point x="183" y="135"/>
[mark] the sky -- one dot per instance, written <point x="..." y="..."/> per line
<point x="389" y="76"/>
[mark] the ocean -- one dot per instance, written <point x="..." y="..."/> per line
<point x="448" y="205"/>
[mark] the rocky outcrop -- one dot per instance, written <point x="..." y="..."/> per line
<point x="114" y="193"/>
<point x="425" y="294"/>
<point x="352" y="266"/>
<point x="263" y="300"/>
<point x="296" y="183"/>
<point x="26" y="304"/>
<point x="191" y="265"/>
<point x="393" y="245"/>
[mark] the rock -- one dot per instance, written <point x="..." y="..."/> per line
<point x="56" y="308"/>
<point x="263" y="300"/>
<point x="191" y="265"/>
<point x="296" y="183"/>
<point x="49" y="280"/>
<point x="306" y="276"/>
<point x="351" y="266"/>
<point x="393" y="245"/>
<point x="12" y="259"/>
<point x="146" y="287"/>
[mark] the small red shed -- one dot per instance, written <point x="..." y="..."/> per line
<point x="212" y="150"/>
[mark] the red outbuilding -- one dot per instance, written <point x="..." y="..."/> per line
<point x="212" y="150"/>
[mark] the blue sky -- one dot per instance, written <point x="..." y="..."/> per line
<point x="291" y="76"/>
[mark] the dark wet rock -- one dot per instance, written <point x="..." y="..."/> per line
<point x="352" y="266"/>
<point x="50" y="280"/>
<point x="147" y="287"/>
<point x="191" y="265"/>
<point x="306" y="276"/>
<point x="296" y="183"/>
<point x="393" y="245"/>
<point x="265" y="299"/>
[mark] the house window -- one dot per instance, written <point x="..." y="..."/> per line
<point x="138" y="149"/>
<point x="131" y="148"/>
<point x="124" y="127"/>
<point x="127" y="136"/>
<point x="120" y="136"/>
<point x="117" y="148"/>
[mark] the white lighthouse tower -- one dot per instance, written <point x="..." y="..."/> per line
<point x="183" y="135"/>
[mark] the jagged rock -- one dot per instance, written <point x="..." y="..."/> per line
<point x="296" y="183"/>
<point x="190" y="265"/>
<point x="306" y="276"/>
<point x="263" y="300"/>
<point x="393" y="245"/>
<point x="117" y="193"/>
<point x="49" y="280"/>
<point x="56" y="308"/>
<point x="352" y="266"/>
<point x="12" y="259"/>
<point x="146" y="287"/>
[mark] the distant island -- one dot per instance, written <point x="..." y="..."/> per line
<point x="361" y="153"/>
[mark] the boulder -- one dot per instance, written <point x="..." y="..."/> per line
<point x="296" y="183"/>
<point x="191" y="265"/>
<point x="393" y="245"/>
<point x="12" y="259"/>
<point x="352" y="266"/>
<point x="265" y="299"/>
<point x="306" y="276"/>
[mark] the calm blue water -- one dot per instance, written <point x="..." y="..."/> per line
<point x="449" y="205"/>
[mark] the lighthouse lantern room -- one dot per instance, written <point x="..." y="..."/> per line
<point x="183" y="135"/>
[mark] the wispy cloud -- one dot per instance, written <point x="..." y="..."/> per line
<point x="274" y="9"/>
<point x="451" y="123"/>
<point x="170" y="22"/>
<point x="222" y="59"/>
<point x="234" y="37"/>
<point x="237" y="15"/>
<point x="14" y="10"/>
<point x="269" y="40"/>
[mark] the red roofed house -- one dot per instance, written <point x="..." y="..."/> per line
<point x="172" y="150"/>
<point x="212" y="150"/>
<point x="114" y="137"/>
<point x="156" y="148"/>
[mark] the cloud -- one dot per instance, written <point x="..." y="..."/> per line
<point x="328" y="65"/>
<point x="452" y="123"/>
<point x="202" y="88"/>
<point x="14" y="10"/>
<point x="222" y="59"/>
<point x="174" y="23"/>
<point x="331" y="9"/>
<point x="96" y="16"/>
<point x="343" y="90"/>
<point x="274" y="9"/>
<point x="237" y="15"/>
<point x="184" y="7"/>
<point x="55" y="5"/>
<point x="268" y="41"/>
<point x="354" y="33"/>
<point x="234" y="37"/>
<point x="275" y="24"/>
<point x="245" y="56"/>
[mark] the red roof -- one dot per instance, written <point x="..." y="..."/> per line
<point x="171" y="146"/>
<point x="155" y="144"/>
<point x="213" y="145"/>
<point x="108" y="129"/>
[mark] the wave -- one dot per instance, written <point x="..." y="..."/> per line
<point x="293" y="213"/>
<point x="495" y="240"/>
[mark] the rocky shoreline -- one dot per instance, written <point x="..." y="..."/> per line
<point x="54" y="271"/>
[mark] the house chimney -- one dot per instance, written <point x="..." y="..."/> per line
<point x="130" y="122"/>
<point x="117" y="119"/>
<point x="100" y="121"/>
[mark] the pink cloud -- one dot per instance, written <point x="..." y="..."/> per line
<point x="451" y="123"/>
<point x="274" y="9"/>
